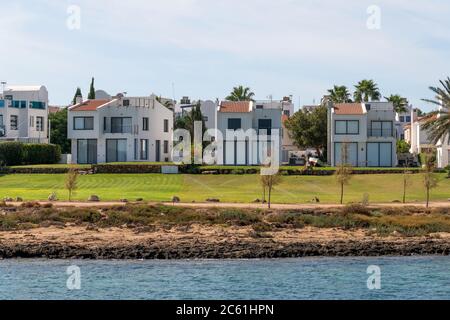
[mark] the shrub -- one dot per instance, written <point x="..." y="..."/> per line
<point x="11" y="153"/>
<point x="41" y="153"/>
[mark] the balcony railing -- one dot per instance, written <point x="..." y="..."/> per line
<point x="380" y="132"/>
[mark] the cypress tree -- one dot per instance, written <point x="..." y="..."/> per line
<point x="92" y="90"/>
<point x="77" y="94"/>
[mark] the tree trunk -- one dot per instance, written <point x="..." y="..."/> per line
<point x="428" y="197"/>
<point x="70" y="196"/>
<point x="342" y="193"/>
<point x="404" y="191"/>
<point x="270" y="193"/>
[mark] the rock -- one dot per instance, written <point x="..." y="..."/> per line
<point x="19" y="199"/>
<point x="396" y="201"/>
<point x="212" y="200"/>
<point x="8" y="199"/>
<point x="256" y="201"/>
<point x="94" y="198"/>
<point x="52" y="197"/>
<point x="175" y="199"/>
<point x="139" y="199"/>
<point x="316" y="200"/>
<point x="123" y="200"/>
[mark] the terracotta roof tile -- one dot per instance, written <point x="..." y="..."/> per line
<point x="348" y="108"/>
<point x="235" y="106"/>
<point x="89" y="105"/>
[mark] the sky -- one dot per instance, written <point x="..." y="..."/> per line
<point x="203" y="48"/>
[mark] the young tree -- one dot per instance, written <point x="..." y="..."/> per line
<point x="71" y="182"/>
<point x="309" y="129"/>
<point x="406" y="182"/>
<point x="429" y="179"/>
<point x="343" y="172"/>
<point x="77" y="94"/>
<point x="268" y="182"/>
<point x="91" y="94"/>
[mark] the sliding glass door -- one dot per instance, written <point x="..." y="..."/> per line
<point x="379" y="154"/>
<point x="86" y="151"/>
<point x="116" y="150"/>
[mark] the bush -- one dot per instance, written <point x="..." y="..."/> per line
<point x="41" y="153"/>
<point x="11" y="153"/>
<point x="17" y="153"/>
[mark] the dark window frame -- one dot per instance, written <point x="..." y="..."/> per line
<point x="166" y="125"/>
<point x="84" y="123"/>
<point x="230" y="120"/>
<point x="145" y="124"/>
<point x="16" y="125"/>
<point x="346" y="127"/>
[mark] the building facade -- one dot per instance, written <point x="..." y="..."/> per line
<point x="362" y="134"/>
<point x="24" y="114"/>
<point x="120" y="129"/>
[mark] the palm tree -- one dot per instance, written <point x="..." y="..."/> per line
<point x="400" y="103"/>
<point x="339" y="94"/>
<point x="439" y="127"/>
<point x="366" y="90"/>
<point x="240" y="94"/>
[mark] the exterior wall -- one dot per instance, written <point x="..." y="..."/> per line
<point x="378" y="111"/>
<point x="27" y="117"/>
<point x="139" y="108"/>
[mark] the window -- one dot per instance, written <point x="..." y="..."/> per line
<point x="408" y="118"/>
<point x="116" y="150"/>
<point x="379" y="154"/>
<point x="31" y="121"/>
<point x="83" y="123"/>
<point x="120" y="125"/>
<point x="86" y="151"/>
<point x="144" y="149"/>
<point x="381" y="129"/>
<point x="346" y="127"/>
<point x="259" y="106"/>
<point x="205" y="118"/>
<point x="265" y="124"/>
<point x="18" y="104"/>
<point x="37" y="105"/>
<point x="287" y="113"/>
<point x="2" y="103"/>
<point x="234" y="123"/>
<point x="145" y="124"/>
<point x="136" y="149"/>
<point x="14" y="124"/>
<point x="126" y="103"/>
<point x="402" y="118"/>
<point x="39" y="123"/>
<point x="166" y="146"/>
<point x="166" y="125"/>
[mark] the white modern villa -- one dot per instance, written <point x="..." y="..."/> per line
<point x="362" y="134"/>
<point x="207" y="107"/>
<point x="120" y="129"/>
<point x="237" y="118"/>
<point x="24" y="114"/>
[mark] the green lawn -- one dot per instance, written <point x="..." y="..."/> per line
<point x="228" y="188"/>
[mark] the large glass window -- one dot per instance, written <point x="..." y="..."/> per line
<point x="144" y="149"/>
<point x="346" y="153"/>
<point x="86" y="151"/>
<point x="346" y="127"/>
<point x="83" y="123"/>
<point x="234" y="124"/>
<point x="116" y="150"/>
<point x="381" y="129"/>
<point x="14" y="122"/>
<point x="121" y="125"/>
<point x="37" y="105"/>
<point x="18" y="104"/>
<point x="2" y="103"/>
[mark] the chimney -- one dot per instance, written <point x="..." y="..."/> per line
<point x="78" y="99"/>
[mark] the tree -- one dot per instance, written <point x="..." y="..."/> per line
<point x="343" y="172"/>
<point x="58" y="131"/>
<point x="241" y="93"/>
<point x="188" y="120"/>
<point x="439" y="127"/>
<point x="403" y="146"/>
<point x="339" y="94"/>
<point x="429" y="179"/>
<point x="71" y="182"/>
<point x="268" y="183"/>
<point x="406" y="181"/>
<point x="309" y="129"/>
<point x="77" y="94"/>
<point x="91" y="94"/>
<point x="366" y="90"/>
<point x="400" y="103"/>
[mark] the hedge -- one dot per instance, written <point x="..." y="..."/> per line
<point x="17" y="153"/>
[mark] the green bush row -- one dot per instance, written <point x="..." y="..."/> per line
<point x="17" y="153"/>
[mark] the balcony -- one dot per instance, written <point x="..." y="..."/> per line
<point x="384" y="133"/>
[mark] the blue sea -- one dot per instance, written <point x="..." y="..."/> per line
<point x="303" y="278"/>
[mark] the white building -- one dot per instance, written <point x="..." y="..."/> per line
<point x="366" y="131"/>
<point x="120" y="129"/>
<point x="24" y="114"/>
<point x="239" y="117"/>
<point x="403" y="120"/>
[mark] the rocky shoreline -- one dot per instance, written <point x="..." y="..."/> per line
<point x="226" y="250"/>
